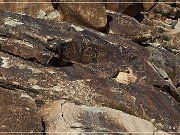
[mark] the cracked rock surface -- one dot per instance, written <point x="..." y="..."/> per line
<point x="94" y="68"/>
<point x="74" y="118"/>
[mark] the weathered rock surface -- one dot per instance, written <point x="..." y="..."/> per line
<point x="130" y="88"/>
<point x="69" y="41"/>
<point x="40" y="10"/>
<point x="128" y="7"/>
<point x="18" y="113"/>
<point x="108" y="78"/>
<point x="164" y="16"/>
<point x="130" y="28"/>
<point x="166" y="10"/>
<point x="61" y="116"/>
<point x="21" y="48"/>
<point x="66" y="83"/>
<point x="86" y="14"/>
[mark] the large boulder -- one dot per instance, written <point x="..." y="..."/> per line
<point x="86" y="14"/>
<point x="62" y="116"/>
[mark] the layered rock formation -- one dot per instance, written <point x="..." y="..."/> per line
<point x="104" y="69"/>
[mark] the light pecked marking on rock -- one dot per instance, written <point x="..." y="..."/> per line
<point x="32" y="81"/>
<point x="24" y="95"/>
<point x="5" y="62"/>
<point x="16" y="83"/>
<point x="24" y="43"/>
<point x="12" y="22"/>
<point x="3" y="39"/>
<point x="37" y="87"/>
<point x="77" y="27"/>
<point x="68" y="40"/>
<point x="111" y="32"/>
<point x="112" y="12"/>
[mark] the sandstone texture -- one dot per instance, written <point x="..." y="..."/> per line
<point x="68" y="67"/>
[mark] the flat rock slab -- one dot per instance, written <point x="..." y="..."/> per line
<point x="18" y="113"/>
<point x="61" y="116"/>
<point x="65" y="37"/>
<point x="26" y="50"/>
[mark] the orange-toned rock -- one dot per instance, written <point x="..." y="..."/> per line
<point x="31" y="8"/>
<point x="148" y="4"/>
<point x="128" y="7"/>
<point x="86" y="14"/>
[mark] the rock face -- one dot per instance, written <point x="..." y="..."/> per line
<point x="130" y="28"/>
<point x="18" y="112"/>
<point x="86" y="79"/>
<point x="73" y="118"/>
<point x="83" y="80"/>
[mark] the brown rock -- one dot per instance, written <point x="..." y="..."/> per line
<point x="18" y="113"/>
<point x="170" y="40"/>
<point x="148" y="4"/>
<point x="71" y="42"/>
<point x="133" y="10"/>
<point x="167" y="61"/>
<point x="178" y="3"/>
<point x="40" y="10"/>
<point x="70" y="84"/>
<point x="128" y="7"/>
<point x="83" y="84"/>
<point x="86" y="14"/>
<point x="159" y="21"/>
<point x="21" y="48"/>
<point x="168" y="29"/>
<point x="163" y="9"/>
<point x="128" y="27"/>
<point x="116" y="7"/>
